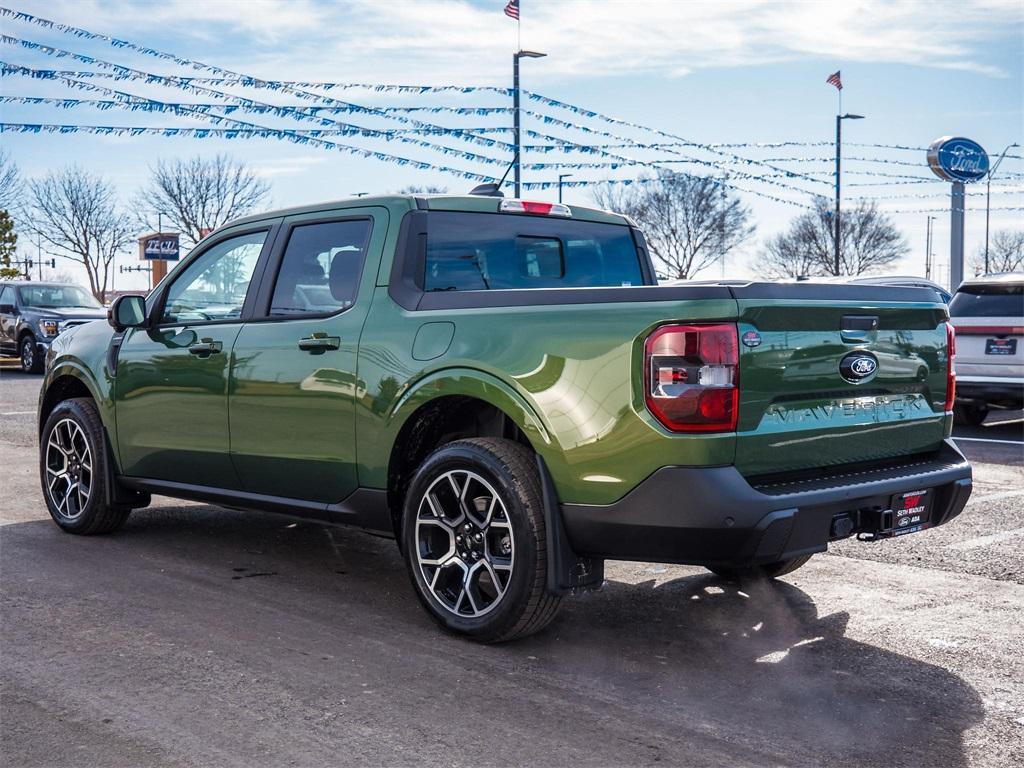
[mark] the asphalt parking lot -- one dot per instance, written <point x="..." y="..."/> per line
<point x="205" y="636"/>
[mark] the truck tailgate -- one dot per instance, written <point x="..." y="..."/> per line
<point x="838" y="374"/>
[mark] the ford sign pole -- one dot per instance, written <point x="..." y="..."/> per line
<point x="956" y="235"/>
<point x="960" y="161"/>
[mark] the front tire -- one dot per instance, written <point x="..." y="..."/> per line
<point x="475" y="543"/>
<point x="31" y="360"/>
<point x="767" y="571"/>
<point x="73" y="470"/>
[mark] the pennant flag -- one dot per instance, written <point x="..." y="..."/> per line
<point x="833" y="79"/>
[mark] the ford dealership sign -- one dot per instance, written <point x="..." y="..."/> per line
<point x="954" y="158"/>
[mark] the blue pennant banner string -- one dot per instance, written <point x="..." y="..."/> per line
<point x="620" y="160"/>
<point x="549" y="120"/>
<point x="174" y="82"/>
<point x="605" y="118"/>
<point x="311" y="136"/>
<point x="249" y="131"/>
<point x="279" y="109"/>
<point x="133" y="102"/>
<point x="226" y="76"/>
<point x="538" y="185"/>
<point x="247" y="104"/>
<point x="219" y="71"/>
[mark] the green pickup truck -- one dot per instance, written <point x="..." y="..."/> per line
<point x="502" y="387"/>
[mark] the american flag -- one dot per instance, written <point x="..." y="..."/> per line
<point x="512" y="9"/>
<point x="833" y="79"/>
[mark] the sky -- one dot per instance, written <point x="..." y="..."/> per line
<point x="743" y="73"/>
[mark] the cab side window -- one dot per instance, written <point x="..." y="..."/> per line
<point x="6" y="296"/>
<point x="320" y="268"/>
<point x="213" y="287"/>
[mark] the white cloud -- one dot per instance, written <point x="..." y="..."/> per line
<point x="470" y="42"/>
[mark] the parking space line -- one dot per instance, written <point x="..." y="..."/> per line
<point x="987" y="440"/>
<point x="984" y="541"/>
<point x="16" y="413"/>
<point x="998" y="495"/>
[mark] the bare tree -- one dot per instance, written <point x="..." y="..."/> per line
<point x="198" y="195"/>
<point x="1005" y="253"/>
<point x="78" y="214"/>
<point x="690" y="222"/>
<point x="10" y="182"/>
<point x="870" y="243"/>
<point x="429" y="189"/>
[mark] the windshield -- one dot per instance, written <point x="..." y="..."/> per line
<point x="988" y="301"/>
<point x="57" y="297"/>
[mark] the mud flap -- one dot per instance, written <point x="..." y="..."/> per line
<point x="116" y="494"/>
<point x="567" y="571"/>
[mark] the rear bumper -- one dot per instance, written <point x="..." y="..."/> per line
<point x="1008" y="392"/>
<point x="714" y="516"/>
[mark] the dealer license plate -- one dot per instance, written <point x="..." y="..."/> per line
<point x="1000" y="346"/>
<point x="911" y="511"/>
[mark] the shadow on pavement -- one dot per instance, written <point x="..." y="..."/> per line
<point x="283" y="618"/>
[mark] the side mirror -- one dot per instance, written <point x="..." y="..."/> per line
<point x="7" y="309"/>
<point x="127" y="312"/>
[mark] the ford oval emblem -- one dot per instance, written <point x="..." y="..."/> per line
<point x="857" y="367"/>
<point x="954" y="158"/>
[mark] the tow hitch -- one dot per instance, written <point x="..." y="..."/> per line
<point x="909" y="512"/>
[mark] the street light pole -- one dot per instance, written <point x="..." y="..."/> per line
<point x="928" y="250"/>
<point x="516" y="133"/>
<point x="560" y="177"/>
<point x="838" y="224"/>
<point x="988" y="197"/>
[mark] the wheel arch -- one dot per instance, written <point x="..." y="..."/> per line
<point x="65" y="382"/>
<point x="450" y="405"/>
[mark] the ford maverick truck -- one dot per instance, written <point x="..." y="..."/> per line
<point x="502" y="387"/>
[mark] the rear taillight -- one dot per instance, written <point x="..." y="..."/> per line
<point x="691" y="377"/>
<point x="951" y="369"/>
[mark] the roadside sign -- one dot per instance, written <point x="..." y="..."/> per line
<point x="161" y="246"/>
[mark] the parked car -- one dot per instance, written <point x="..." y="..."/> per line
<point x="988" y="314"/>
<point x="903" y="281"/>
<point x="501" y="386"/>
<point x="33" y="314"/>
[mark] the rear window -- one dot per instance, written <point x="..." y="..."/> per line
<point x="494" y="251"/>
<point x="988" y="301"/>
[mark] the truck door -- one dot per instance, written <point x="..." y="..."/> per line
<point x="295" y="381"/>
<point x="171" y="388"/>
<point x="8" y="320"/>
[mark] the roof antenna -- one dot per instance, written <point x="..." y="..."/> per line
<point x="491" y="189"/>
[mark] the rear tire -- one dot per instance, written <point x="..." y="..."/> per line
<point x="475" y="543"/>
<point x="73" y="470"/>
<point x="970" y="415"/>
<point x="767" y="571"/>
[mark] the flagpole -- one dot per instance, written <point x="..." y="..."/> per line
<point x="839" y="135"/>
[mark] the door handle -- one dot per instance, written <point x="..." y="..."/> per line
<point x="205" y="348"/>
<point x="319" y="343"/>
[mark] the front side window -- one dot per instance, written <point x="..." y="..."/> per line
<point x="213" y="287"/>
<point x="57" y="297"/>
<point x="321" y="267"/>
<point x="492" y="251"/>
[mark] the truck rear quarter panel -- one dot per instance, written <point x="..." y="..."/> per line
<point x="564" y="374"/>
